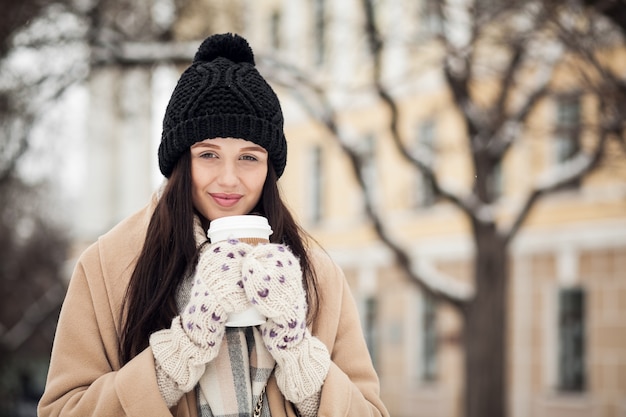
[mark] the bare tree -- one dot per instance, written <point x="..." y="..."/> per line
<point x="33" y="244"/>
<point x="611" y="9"/>
<point x="33" y="251"/>
<point x="531" y="40"/>
<point x="46" y="48"/>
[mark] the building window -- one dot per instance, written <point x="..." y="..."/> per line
<point x="319" y="14"/>
<point x="571" y="334"/>
<point x="316" y="185"/>
<point x="429" y="338"/>
<point x="424" y="191"/>
<point x="568" y="130"/>
<point x="568" y="127"/>
<point x="370" y="327"/>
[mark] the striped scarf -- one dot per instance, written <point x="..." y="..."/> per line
<point x="234" y="380"/>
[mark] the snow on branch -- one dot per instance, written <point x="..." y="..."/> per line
<point x="574" y="168"/>
<point x="441" y="283"/>
<point x="563" y="173"/>
<point x="314" y="100"/>
<point x="544" y="57"/>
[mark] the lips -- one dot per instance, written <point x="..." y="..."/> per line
<point x="226" y="200"/>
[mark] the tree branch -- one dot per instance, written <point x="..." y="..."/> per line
<point x="510" y="121"/>
<point x="574" y="168"/>
<point x="510" y="130"/>
<point x="454" y="295"/>
<point x="457" y="71"/>
<point x="315" y="102"/>
<point x="471" y="207"/>
<point x="508" y="79"/>
<point x="608" y="93"/>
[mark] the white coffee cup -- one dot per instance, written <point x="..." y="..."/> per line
<point x="252" y="229"/>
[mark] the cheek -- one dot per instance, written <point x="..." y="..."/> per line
<point x="200" y="175"/>
<point x="254" y="185"/>
<point x="196" y="182"/>
<point x="199" y="181"/>
<point x="259" y="181"/>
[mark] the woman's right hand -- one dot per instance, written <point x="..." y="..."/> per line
<point x="194" y="338"/>
<point x="217" y="289"/>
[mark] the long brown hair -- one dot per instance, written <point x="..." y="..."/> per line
<point x="169" y="253"/>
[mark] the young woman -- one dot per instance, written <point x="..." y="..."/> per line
<point x="142" y="329"/>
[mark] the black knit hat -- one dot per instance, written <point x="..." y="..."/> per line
<point x="222" y="95"/>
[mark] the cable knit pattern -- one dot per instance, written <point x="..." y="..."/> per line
<point x="272" y="280"/>
<point x="222" y="95"/>
<point x="180" y="362"/>
<point x="310" y="406"/>
<point x="194" y="337"/>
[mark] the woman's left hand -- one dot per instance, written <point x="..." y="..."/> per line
<point x="272" y="280"/>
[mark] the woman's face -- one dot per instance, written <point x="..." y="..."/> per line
<point x="227" y="176"/>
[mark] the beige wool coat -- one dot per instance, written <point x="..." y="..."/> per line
<point x="86" y="378"/>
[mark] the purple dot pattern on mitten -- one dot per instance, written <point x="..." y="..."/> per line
<point x="219" y="267"/>
<point x="202" y="322"/>
<point x="277" y="336"/>
<point x="275" y="259"/>
<point x="273" y="281"/>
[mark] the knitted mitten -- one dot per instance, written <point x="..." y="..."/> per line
<point x="182" y="351"/>
<point x="273" y="282"/>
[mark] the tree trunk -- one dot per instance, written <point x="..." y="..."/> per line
<point x="485" y="328"/>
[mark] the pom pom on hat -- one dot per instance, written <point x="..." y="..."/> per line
<point x="230" y="46"/>
<point x="222" y="95"/>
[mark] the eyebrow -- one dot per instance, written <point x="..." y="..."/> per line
<point x="256" y="148"/>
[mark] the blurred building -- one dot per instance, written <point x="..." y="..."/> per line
<point x="567" y="340"/>
<point x="567" y="344"/>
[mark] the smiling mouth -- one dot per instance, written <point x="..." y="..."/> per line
<point x="226" y="200"/>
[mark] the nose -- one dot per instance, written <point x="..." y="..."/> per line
<point x="228" y="176"/>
